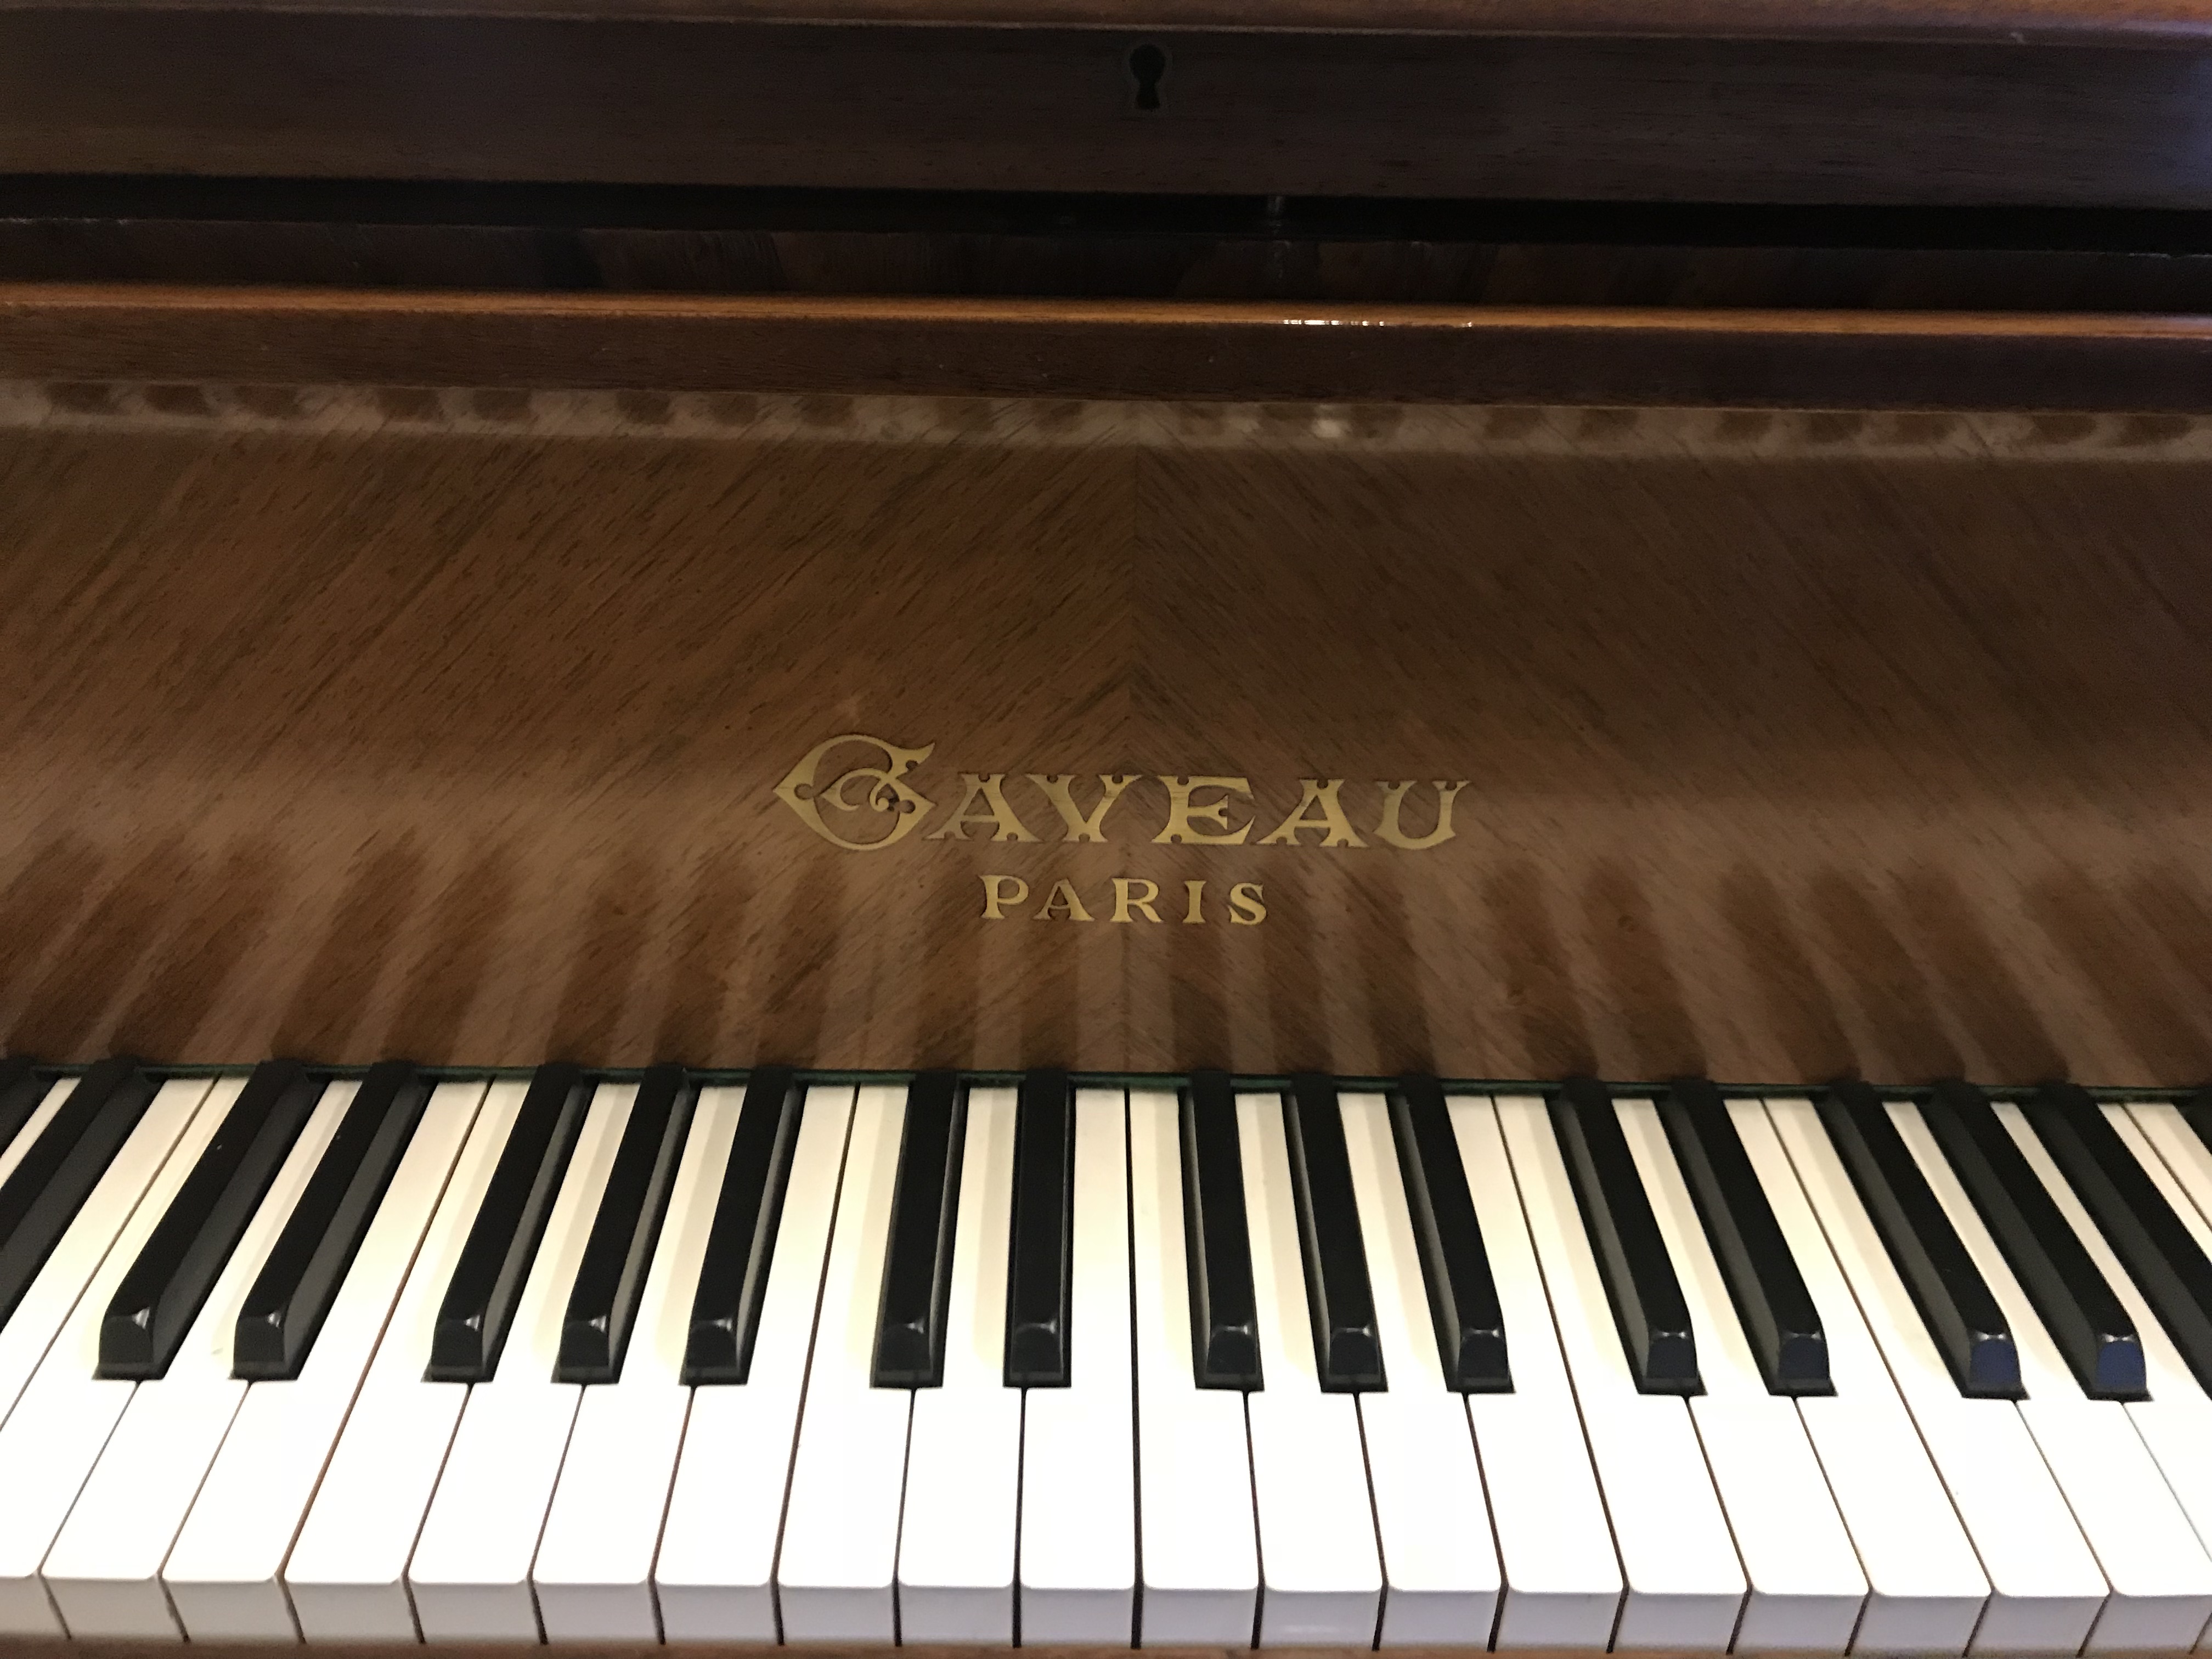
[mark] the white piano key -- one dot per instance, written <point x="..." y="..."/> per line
<point x="715" y="1575"/>
<point x="2175" y="1422"/>
<point x="956" y="1561"/>
<point x="2046" y="1588"/>
<point x="1563" y="1578"/>
<point x="1926" y="1589"/>
<point x="594" y="1568"/>
<point x="1439" y="1558"/>
<point x="835" y="1572"/>
<point x="1078" y="1512"/>
<point x="2146" y="1490"/>
<point x="83" y="1245"/>
<point x="2160" y="1576"/>
<point x="65" y="1414"/>
<point x="1200" y="1552"/>
<point x="1685" y="1584"/>
<point x="470" y="1573"/>
<point x="2181" y="1155"/>
<point x="36" y="1125"/>
<point x="346" y="1576"/>
<point x="223" y="1576"/>
<point x="1321" y="1580"/>
<point x="104" y="1570"/>
<point x="1807" y="1589"/>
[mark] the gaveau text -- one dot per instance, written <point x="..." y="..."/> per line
<point x="871" y="804"/>
<point x="857" y="793"/>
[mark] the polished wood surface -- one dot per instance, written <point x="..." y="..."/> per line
<point x="2173" y="24"/>
<point x="1127" y="348"/>
<point x="1334" y="106"/>
<point x="360" y="721"/>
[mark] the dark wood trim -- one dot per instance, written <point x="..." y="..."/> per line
<point x="2184" y="25"/>
<point x="601" y="240"/>
<point x="1851" y="117"/>
<point x="1866" y="360"/>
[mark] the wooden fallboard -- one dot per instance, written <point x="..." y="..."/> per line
<point x="355" y="720"/>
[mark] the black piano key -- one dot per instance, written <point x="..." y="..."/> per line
<point x="1347" y="1350"/>
<point x="58" y="1170"/>
<point x="741" y="1243"/>
<point x="1955" y="1303"/>
<point x="1041" y="1255"/>
<point x="2075" y="1305"/>
<point x="22" y="1089"/>
<point x="162" y="1293"/>
<point x="1462" y="1295"/>
<point x="2133" y="1216"/>
<point x="293" y="1293"/>
<point x="603" y="1303"/>
<point x="1779" y="1319"/>
<point x="1225" y="1327"/>
<point x="1648" y="1308"/>
<point x="918" y="1258"/>
<point x="479" y="1301"/>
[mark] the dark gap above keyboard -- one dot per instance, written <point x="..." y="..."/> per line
<point x="567" y="238"/>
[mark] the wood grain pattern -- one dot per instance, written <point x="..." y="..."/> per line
<point x="337" y="93"/>
<point x="1128" y="348"/>
<point x="354" y="723"/>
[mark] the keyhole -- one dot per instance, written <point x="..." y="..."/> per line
<point x="1149" y="65"/>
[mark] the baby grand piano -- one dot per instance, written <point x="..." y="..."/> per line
<point x="1097" y="822"/>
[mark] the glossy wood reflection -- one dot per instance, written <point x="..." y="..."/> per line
<point x="1794" y="744"/>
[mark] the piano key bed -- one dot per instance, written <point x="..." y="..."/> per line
<point x="396" y="1355"/>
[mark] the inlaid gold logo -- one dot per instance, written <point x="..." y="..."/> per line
<point x="853" y="791"/>
<point x="867" y="804"/>
<point x="880" y="791"/>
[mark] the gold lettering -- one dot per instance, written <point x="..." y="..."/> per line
<point x="1394" y="797"/>
<point x="1197" y="891"/>
<point x="1184" y="815"/>
<point x="1063" y="894"/>
<point x="1082" y="826"/>
<point x="1335" y="829"/>
<point x="882" y="791"/>
<point x="1245" y="909"/>
<point x="996" y="898"/>
<point x="1125" y="899"/>
<point x="990" y="790"/>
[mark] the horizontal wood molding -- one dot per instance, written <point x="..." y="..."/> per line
<point x="605" y="240"/>
<point x="1558" y="114"/>
<point x="1864" y="360"/>
<point x="2174" y="24"/>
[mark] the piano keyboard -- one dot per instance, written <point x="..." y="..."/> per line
<point x="1203" y="1361"/>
